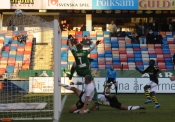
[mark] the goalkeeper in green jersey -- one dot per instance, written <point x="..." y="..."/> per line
<point x="82" y="64"/>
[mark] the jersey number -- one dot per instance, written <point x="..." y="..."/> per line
<point x="80" y="60"/>
<point x="81" y="64"/>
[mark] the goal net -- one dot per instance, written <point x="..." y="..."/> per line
<point x="26" y="67"/>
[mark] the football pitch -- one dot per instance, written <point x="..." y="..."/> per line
<point x="166" y="113"/>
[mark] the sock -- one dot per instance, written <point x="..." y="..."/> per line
<point x="65" y="86"/>
<point x="147" y="94"/>
<point x="71" y="72"/>
<point x="154" y="99"/>
<point x="95" y="95"/>
<point x="133" y="107"/>
<point x="116" y="89"/>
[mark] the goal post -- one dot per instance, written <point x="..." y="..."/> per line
<point x="57" y="71"/>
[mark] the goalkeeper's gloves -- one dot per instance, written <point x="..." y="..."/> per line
<point x="98" y="42"/>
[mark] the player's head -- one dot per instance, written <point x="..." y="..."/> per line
<point x="112" y="67"/>
<point x="88" y="79"/>
<point x="151" y="63"/>
<point x="79" y="46"/>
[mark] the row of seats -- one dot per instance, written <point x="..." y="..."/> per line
<point x="14" y="55"/>
<point x="121" y="52"/>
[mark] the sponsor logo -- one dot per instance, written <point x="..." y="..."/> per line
<point x="38" y="84"/>
<point x="114" y="2"/>
<point x="157" y="4"/>
<point x="66" y="4"/>
<point x="22" y="1"/>
<point x="52" y="2"/>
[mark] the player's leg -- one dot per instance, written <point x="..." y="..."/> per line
<point x="76" y="107"/>
<point x="72" y="70"/>
<point x="75" y="90"/>
<point x="116" y="86"/>
<point x="152" y="94"/>
<point x="125" y="107"/>
<point x="116" y="104"/>
<point x="147" y="94"/>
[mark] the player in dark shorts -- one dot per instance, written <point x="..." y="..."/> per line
<point x="112" y="101"/>
<point x="153" y="72"/>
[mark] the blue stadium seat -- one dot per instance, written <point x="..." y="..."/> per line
<point x="152" y="55"/>
<point x="138" y="59"/>
<point x="19" y="57"/>
<point x="108" y="52"/>
<point x="141" y="67"/>
<point x="129" y="45"/>
<point x="14" y="42"/>
<point x="12" y="56"/>
<point x="14" y="48"/>
<point x="116" y="60"/>
<point x="114" y="45"/>
<point x="136" y="45"/>
<point x="108" y="55"/>
<point x="101" y="55"/>
<point x="5" y="54"/>
<point x="131" y="59"/>
<point x="10" y="69"/>
<point x="87" y="33"/>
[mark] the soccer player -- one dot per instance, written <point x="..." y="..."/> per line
<point x="111" y="76"/>
<point x="85" y="97"/>
<point x="82" y="64"/>
<point x="112" y="101"/>
<point x="153" y="72"/>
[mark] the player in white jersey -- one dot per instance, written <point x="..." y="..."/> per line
<point x="85" y="96"/>
<point x="112" y="101"/>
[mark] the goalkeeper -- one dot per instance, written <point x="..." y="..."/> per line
<point x="112" y="101"/>
<point x="82" y="64"/>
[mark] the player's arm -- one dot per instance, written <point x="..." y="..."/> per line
<point x="69" y="44"/>
<point x="158" y="70"/>
<point x="143" y="72"/>
<point x="85" y="104"/>
<point x="97" y="43"/>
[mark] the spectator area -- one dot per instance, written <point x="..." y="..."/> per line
<point x="14" y="55"/>
<point x="121" y="52"/>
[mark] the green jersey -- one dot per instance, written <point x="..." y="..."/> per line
<point x="81" y="58"/>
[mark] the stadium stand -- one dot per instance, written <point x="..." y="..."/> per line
<point x="121" y="52"/>
<point x="14" y="55"/>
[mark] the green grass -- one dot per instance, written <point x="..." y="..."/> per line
<point x="164" y="114"/>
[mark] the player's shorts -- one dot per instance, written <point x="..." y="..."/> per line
<point x="80" y="104"/>
<point x="111" y="80"/>
<point x="153" y="86"/>
<point x="83" y="72"/>
<point x="114" y="103"/>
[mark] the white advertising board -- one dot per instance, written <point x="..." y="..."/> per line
<point x="125" y="85"/>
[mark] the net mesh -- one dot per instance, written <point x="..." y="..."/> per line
<point x="26" y="86"/>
